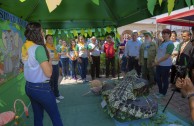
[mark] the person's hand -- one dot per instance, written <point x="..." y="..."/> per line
<point x="50" y="61"/>
<point x="179" y="83"/>
<point x="91" y="60"/>
<point x="185" y="85"/>
<point x="188" y="86"/>
<point x="79" y="60"/>
<point x="156" y="63"/>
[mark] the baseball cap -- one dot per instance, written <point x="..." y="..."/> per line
<point x="148" y="33"/>
<point x="134" y="31"/>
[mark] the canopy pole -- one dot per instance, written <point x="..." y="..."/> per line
<point x="156" y="30"/>
<point x="118" y="51"/>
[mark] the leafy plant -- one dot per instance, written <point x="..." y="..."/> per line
<point x="151" y="4"/>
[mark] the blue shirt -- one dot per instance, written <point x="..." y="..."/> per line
<point x="132" y="48"/>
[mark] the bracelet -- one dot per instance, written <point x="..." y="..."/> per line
<point x="190" y="95"/>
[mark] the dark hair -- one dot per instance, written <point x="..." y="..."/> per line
<point x="168" y="31"/>
<point x="48" y="36"/>
<point x="33" y="33"/>
<point x="188" y="32"/>
<point x="72" y="40"/>
<point x="80" y="37"/>
<point x="192" y="28"/>
<point x="174" y="32"/>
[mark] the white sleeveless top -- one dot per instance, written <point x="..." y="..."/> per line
<point x="32" y="70"/>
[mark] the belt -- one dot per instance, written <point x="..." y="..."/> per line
<point x="46" y="81"/>
<point x="132" y="56"/>
<point x="95" y="56"/>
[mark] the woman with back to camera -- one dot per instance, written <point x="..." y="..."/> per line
<point x="37" y="72"/>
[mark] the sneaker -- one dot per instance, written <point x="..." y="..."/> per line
<point x="69" y="78"/>
<point x="82" y="81"/>
<point x="75" y="78"/>
<point x="60" y="97"/>
<point x="159" y="96"/>
<point x="85" y="80"/>
<point x="57" y="101"/>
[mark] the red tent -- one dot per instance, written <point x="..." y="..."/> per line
<point x="182" y="19"/>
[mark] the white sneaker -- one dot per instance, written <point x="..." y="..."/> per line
<point x="60" y="97"/>
<point x="57" y="101"/>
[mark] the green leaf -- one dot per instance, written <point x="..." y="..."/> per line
<point x="22" y="0"/>
<point x="160" y="2"/>
<point x="56" y="32"/>
<point x="90" y="32"/>
<point x="96" y="32"/>
<point x="170" y="6"/>
<point x="82" y="32"/>
<point x="75" y="33"/>
<point x="151" y="5"/>
<point x="188" y="3"/>
<point x="50" y="31"/>
<point x="102" y="31"/>
<point x="85" y="35"/>
<point x="193" y="2"/>
<point x="17" y="26"/>
<point x="96" y="2"/>
<point x="108" y="29"/>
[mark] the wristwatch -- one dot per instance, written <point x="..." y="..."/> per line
<point x="190" y="95"/>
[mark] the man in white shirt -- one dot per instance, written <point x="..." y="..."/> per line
<point x="95" y="54"/>
<point x="132" y="49"/>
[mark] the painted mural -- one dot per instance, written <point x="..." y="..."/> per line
<point x="11" y="41"/>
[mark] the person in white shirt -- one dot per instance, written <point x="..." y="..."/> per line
<point x="94" y="49"/>
<point x="132" y="49"/>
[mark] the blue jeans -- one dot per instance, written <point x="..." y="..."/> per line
<point x="42" y="98"/>
<point x="72" y="64"/>
<point x="124" y="64"/>
<point x="65" y="66"/>
<point x="54" y="80"/>
<point x="162" y="76"/>
<point x="82" y="67"/>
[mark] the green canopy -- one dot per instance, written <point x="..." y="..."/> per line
<point x="85" y="13"/>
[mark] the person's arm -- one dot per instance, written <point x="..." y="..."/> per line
<point x="175" y="52"/>
<point x="41" y="57"/>
<point x="77" y="53"/>
<point x="187" y="86"/>
<point x="168" y="54"/>
<point x="104" y="49"/>
<point x="126" y="50"/>
<point x="90" y="48"/>
<point x="88" y="53"/>
<point x="68" y="54"/>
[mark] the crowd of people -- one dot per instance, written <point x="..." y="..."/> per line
<point x="153" y="59"/>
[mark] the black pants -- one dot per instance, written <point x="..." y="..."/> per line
<point x="173" y="74"/>
<point x="95" y="67"/>
<point x="110" y="61"/>
<point x="54" y="80"/>
<point x="133" y="63"/>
